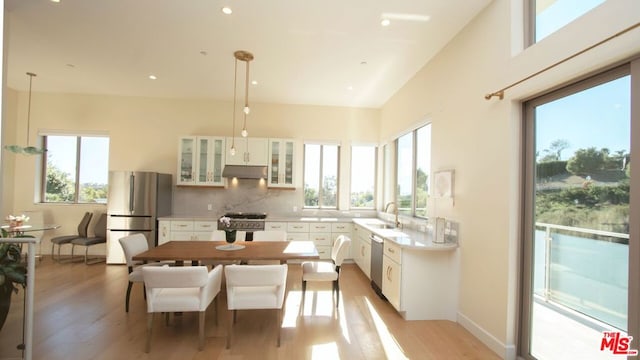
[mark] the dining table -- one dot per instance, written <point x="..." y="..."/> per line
<point x="196" y="251"/>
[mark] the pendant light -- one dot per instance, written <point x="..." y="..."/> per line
<point x="27" y="150"/>
<point x="246" y="57"/>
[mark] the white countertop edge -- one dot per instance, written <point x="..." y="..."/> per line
<point x="410" y="239"/>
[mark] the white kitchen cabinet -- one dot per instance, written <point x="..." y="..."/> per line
<point x="201" y="160"/>
<point x="249" y="151"/>
<point x="362" y="251"/>
<point x="275" y="225"/>
<point x="392" y="273"/>
<point x="185" y="230"/>
<point x="281" y="163"/>
<point x="164" y="231"/>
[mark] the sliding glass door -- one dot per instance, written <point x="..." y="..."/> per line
<point x="576" y="258"/>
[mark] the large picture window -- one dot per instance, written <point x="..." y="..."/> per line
<point x="363" y="176"/>
<point x="579" y="264"/>
<point x="321" y="175"/>
<point x="413" y="171"/>
<point x="76" y="169"/>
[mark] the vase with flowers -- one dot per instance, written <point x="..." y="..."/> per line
<point x="17" y="221"/>
<point x="230" y="235"/>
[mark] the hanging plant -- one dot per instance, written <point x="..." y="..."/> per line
<point x="13" y="271"/>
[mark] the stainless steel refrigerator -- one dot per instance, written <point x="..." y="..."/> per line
<point x="136" y="200"/>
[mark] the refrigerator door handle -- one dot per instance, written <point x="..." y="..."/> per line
<point x="131" y="191"/>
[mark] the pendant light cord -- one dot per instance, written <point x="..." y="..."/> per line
<point x="235" y="77"/>
<point x="246" y="96"/>
<point x="31" y="75"/>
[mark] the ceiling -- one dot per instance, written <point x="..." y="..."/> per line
<point x="318" y="52"/>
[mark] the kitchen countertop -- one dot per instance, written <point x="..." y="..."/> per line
<point x="405" y="238"/>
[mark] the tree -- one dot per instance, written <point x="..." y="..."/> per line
<point x="586" y="161"/>
<point x="557" y="146"/>
<point x="59" y="186"/>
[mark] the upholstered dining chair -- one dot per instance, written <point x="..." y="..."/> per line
<point x="99" y="237"/>
<point x="255" y="287"/>
<point x="327" y="270"/>
<point x="268" y="235"/>
<point x="180" y="289"/>
<point x="133" y="245"/>
<point x="83" y="227"/>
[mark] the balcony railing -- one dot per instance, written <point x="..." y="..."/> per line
<point x="584" y="270"/>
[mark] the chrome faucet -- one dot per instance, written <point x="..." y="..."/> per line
<point x="395" y="212"/>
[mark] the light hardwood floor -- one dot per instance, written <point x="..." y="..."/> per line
<point x="79" y="314"/>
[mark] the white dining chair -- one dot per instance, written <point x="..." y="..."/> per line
<point x="133" y="245"/>
<point x="180" y="289"/>
<point x="268" y="235"/>
<point x="255" y="287"/>
<point x="327" y="270"/>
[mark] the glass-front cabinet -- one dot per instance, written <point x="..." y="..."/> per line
<point x="201" y="160"/>
<point x="281" y="163"/>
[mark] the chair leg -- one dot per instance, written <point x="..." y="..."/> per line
<point x="126" y="303"/>
<point x="279" y="322"/>
<point x="201" y="331"/>
<point x="86" y="254"/>
<point x="336" y="286"/>
<point x="230" y="327"/>
<point x="149" y="327"/>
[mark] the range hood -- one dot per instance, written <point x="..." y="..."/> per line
<point x="245" y="172"/>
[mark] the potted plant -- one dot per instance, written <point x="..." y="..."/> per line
<point x="13" y="271"/>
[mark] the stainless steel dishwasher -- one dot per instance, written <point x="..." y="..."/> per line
<point x="377" y="252"/>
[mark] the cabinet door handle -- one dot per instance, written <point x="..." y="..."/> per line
<point x="391" y="250"/>
<point x="206" y="225"/>
<point x="389" y="273"/>
<point x="362" y="250"/>
<point x="182" y="225"/>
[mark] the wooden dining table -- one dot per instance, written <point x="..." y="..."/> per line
<point x="196" y="251"/>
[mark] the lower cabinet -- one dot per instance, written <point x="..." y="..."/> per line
<point x="392" y="274"/>
<point x="361" y="249"/>
<point x="185" y="230"/>
<point x="323" y="234"/>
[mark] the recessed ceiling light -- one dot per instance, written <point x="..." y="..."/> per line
<point x="227" y="10"/>
<point x="254" y="82"/>
<point x="55" y="1"/>
<point x="363" y="63"/>
<point x="152" y="77"/>
<point x="349" y="87"/>
<point x="69" y="65"/>
<point x="203" y="53"/>
<point x="385" y="22"/>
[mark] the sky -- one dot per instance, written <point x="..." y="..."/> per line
<point x="597" y="117"/>
<point x="94" y="155"/>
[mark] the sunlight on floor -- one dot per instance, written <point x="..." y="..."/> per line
<point x="317" y="303"/>
<point x="325" y="351"/>
<point x="389" y="344"/>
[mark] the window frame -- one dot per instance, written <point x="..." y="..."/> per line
<point x="375" y="178"/>
<point x="320" y="205"/>
<point x="78" y="156"/>
<point x="414" y="169"/>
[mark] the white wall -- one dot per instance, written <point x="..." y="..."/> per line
<point x="144" y="135"/>
<point x="480" y="139"/>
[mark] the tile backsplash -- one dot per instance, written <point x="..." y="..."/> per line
<point x="247" y="196"/>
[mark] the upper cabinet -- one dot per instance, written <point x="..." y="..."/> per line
<point x="249" y="151"/>
<point x="281" y="163"/>
<point x="201" y="160"/>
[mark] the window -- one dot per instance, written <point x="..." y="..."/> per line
<point x="413" y="170"/>
<point x="321" y="175"/>
<point x="363" y="176"/>
<point x="76" y="169"/>
<point x="579" y="265"/>
<point x="548" y="16"/>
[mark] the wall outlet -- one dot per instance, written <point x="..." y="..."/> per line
<point x="209" y="207"/>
